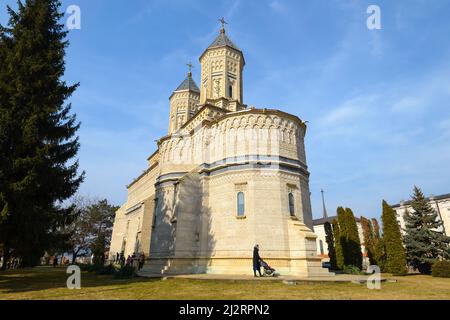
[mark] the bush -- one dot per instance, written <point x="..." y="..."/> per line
<point x="352" y="270"/>
<point x="125" y="272"/>
<point x="106" y="270"/>
<point x="441" y="269"/>
<point x="85" y="267"/>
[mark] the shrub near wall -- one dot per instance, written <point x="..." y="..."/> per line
<point x="441" y="269"/>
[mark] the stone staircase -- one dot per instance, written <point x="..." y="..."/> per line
<point x="155" y="267"/>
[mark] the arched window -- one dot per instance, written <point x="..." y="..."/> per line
<point x="230" y="91"/>
<point x="291" y="204"/>
<point x="240" y="204"/>
<point x="321" y="246"/>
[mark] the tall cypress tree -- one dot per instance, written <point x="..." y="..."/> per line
<point x="379" y="254"/>
<point x="353" y="250"/>
<point x="395" y="252"/>
<point x="341" y="219"/>
<point x="424" y="240"/>
<point x="368" y="236"/>
<point x="338" y="246"/>
<point x="329" y="238"/>
<point x="40" y="171"/>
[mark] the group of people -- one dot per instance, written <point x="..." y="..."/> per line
<point x="131" y="260"/>
<point x="12" y="263"/>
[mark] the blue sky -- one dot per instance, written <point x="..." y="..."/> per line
<point x="377" y="101"/>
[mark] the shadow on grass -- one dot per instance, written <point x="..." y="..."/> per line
<point x="44" y="278"/>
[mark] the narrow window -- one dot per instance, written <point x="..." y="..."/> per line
<point x="291" y="204"/>
<point x="240" y="204"/>
<point x="321" y="246"/>
<point x="230" y="91"/>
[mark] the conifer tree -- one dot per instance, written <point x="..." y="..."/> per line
<point x="379" y="254"/>
<point x="341" y="219"/>
<point x="353" y="250"/>
<point x="395" y="252"/>
<point x="37" y="131"/>
<point x="338" y="246"/>
<point x="424" y="239"/>
<point x="368" y="237"/>
<point x="329" y="238"/>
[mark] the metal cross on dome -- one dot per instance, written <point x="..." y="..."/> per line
<point x="190" y="66"/>
<point x="223" y="22"/>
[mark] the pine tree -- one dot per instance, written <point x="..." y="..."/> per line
<point x="368" y="237"/>
<point x="395" y="252"/>
<point x="338" y="246"/>
<point x="38" y="133"/>
<point x="353" y="250"/>
<point x="424" y="241"/>
<point x="329" y="238"/>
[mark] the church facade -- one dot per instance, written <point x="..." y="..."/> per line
<point x="224" y="178"/>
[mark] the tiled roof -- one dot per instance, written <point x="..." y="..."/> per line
<point x="188" y="84"/>
<point x="406" y="203"/>
<point x="222" y="40"/>
<point x="317" y="222"/>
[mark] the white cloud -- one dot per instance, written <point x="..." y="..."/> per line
<point x="277" y="6"/>
<point x="444" y="125"/>
<point x="351" y="111"/>
<point x="407" y="104"/>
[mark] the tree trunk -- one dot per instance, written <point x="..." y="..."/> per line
<point x="5" y="257"/>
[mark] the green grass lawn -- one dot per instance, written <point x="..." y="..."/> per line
<point x="48" y="283"/>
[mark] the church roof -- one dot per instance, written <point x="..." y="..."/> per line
<point x="188" y="84"/>
<point x="222" y="40"/>
<point x="321" y="221"/>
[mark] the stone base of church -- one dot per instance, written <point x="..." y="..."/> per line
<point x="297" y="257"/>
<point x="306" y="267"/>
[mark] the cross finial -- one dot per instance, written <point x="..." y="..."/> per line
<point x="223" y="22"/>
<point x="190" y="66"/>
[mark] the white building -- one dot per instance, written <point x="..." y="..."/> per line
<point x="440" y="203"/>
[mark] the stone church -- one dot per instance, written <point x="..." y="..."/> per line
<point x="224" y="178"/>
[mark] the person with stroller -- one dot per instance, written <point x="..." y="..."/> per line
<point x="256" y="261"/>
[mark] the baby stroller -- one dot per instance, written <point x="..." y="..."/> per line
<point x="268" y="270"/>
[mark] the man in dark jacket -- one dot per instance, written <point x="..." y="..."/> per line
<point x="256" y="261"/>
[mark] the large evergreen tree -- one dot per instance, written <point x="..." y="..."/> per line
<point x="395" y="252"/>
<point x="38" y="140"/>
<point x="353" y="246"/>
<point x="424" y="240"/>
<point x="329" y="238"/>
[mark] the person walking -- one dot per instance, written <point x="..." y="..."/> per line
<point x="256" y="261"/>
<point x="55" y="261"/>
<point x="141" y="261"/>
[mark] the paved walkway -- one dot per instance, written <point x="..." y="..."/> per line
<point x="287" y="279"/>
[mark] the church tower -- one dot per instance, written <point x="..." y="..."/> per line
<point x="222" y="65"/>
<point x="183" y="102"/>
